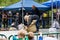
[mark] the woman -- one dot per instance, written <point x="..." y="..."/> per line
<point x="21" y="35"/>
<point x="31" y="36"/>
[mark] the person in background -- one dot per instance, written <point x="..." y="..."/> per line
<point x="44" y="19"/>
<point x="21" y="35"/>
<point x="17" y="19"/>
<point x="54" y="14"/>
<point x="58" y="16"/>
<point x="0" y="19"/>
<point x="31" y="36"/>
<point x="55" y="24"/>
<point x="26" y="19"/>
<point x="9" y="18"/>
<point x="5" y="19"/>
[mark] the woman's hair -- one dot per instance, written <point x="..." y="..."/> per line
<point x="31" y="35"/>
<point x="22" y="33"/>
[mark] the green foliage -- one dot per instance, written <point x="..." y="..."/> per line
<point x="7" y="2"/>
<point x="40" y="1"/>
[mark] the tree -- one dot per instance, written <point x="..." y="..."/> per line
<point x="0" y="1"/>
<point x="40" y="1"/>
<point x="7" y="2"/>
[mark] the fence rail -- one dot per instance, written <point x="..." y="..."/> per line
<point x="38" y="34"/>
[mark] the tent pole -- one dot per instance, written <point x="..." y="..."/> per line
<point x="52" y="11"/>
<point x="22" y="13"/>
<point x="57" y="17"/>
<point x="56" y="6"/>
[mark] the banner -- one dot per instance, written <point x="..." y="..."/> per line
<point x="8" y="33"/>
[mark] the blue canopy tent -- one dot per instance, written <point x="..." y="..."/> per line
<point x="27" y="4"/>
<point x="52" y="4"/>
<point x="55" y="3"/>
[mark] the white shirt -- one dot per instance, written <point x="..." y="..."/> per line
<point x="21" y="26"/>
<point x="55" y="24"/>
<point x="26" y="17"/>
<point x="49" y="38"/>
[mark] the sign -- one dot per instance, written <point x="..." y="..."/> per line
<point x="9" y="33"/>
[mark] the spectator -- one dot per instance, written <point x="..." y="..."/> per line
<point x="31" y="36"/>
<point x="26" y="18"/>
<point x="9" y="18"/>
<point x="0" y="19"/>
<point x="40" y="36"/>
<point x="54" y="14"/>
<point x="17" y="20"/>
<point x="21" y="35"/>
<point x="5" y="19"/>
<point x="58" y="16"/>
<point x="44" y="19"/>
<point x="55" y="24"/>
